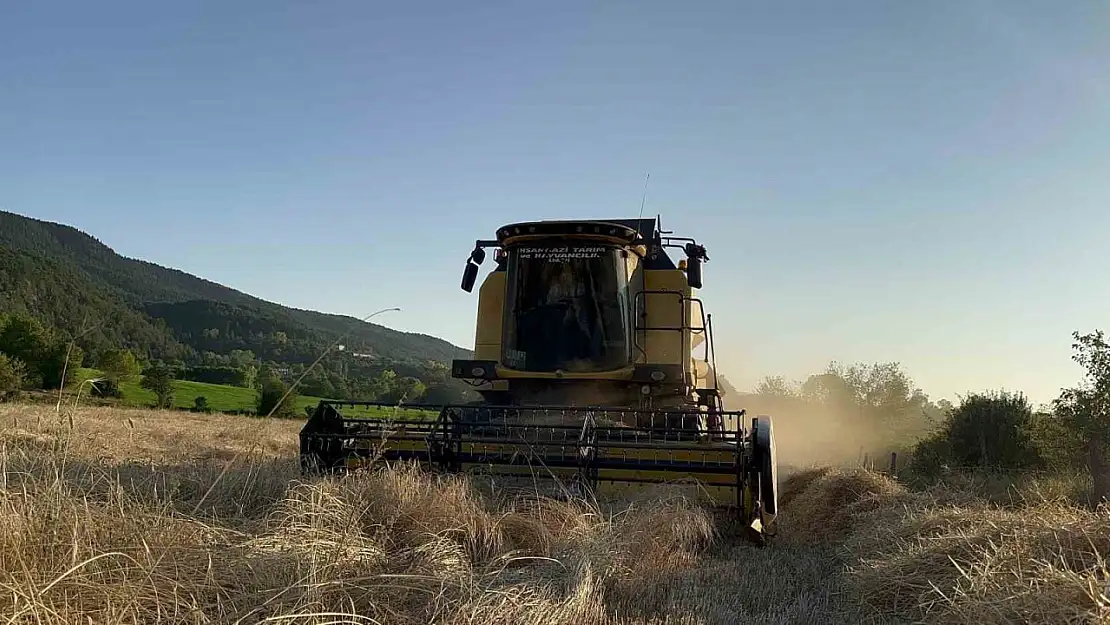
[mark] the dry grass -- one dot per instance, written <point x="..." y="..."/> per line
<point x="948" y="555"/>
<point x="112" y="516"/>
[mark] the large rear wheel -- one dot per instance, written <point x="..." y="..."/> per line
<point x="762" y="480"/>
<point x="766" y="463"/>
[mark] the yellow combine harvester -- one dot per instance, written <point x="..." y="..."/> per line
<point x="586" y="359"/>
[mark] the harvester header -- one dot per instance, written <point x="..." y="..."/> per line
<point x="594" y="360"/>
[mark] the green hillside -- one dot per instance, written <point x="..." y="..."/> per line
<point x="46" y="246"/>
<point x="62" y="296"/>
<point x="75" y="286"/>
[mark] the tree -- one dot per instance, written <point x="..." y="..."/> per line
<point x="1059" y="446"/>
<point x="991" y="430"/>
<point x="403" y="389"/>
<point x="775" y="386"/>
<point x="386" y="379"/>
<point x="844" y="411"/>
<point x="882" y="389"/>
<point x="12" y="372"/>
<point x="887" y="398"/>
<point x="241" y="357"/>
<point x="119" y="365"/>
<point x="59" y="363"/>
<point x="317" y="383"/>
<point x="27" y="340"/>
<point x="248" y="374"/>
<point x="49" y="361"/>
<point x="270" y="400"/>
<point x="832" y="390"/>
<point x="159" y="379"/>
<point x="1086" y="407"/>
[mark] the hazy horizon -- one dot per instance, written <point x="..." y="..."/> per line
<point x="913" y="183"/>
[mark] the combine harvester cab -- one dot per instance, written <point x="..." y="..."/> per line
<point x="585" y="358"/>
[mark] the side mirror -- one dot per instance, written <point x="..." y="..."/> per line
<point x="470" y="276"/>
<point x="695" y="254"/>
<point x="693" y="272"/>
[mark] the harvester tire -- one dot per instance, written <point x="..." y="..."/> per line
<point x="766" y="463"/>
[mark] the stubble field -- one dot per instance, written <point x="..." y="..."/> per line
<point x="133" y="516"/>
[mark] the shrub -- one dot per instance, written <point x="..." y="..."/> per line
<point x="270" y="398"/>
<point x="931" y="455"/>
<point x="106" y="388"/>
<point x="12" y="376"/>
<point x="119" y="364"/>
<point x="159" y="379"/>
<point x="1059" y="446"/>
<point x="59" y="363"/>
<point x="992" y="430"/>
<point x="231" y="376"/>
<point x="987" y="430"/>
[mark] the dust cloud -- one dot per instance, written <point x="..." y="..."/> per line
<point x="811" y="434"/>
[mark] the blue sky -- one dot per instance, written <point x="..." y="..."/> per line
<point x="919" y="182"/>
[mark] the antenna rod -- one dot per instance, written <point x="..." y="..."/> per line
<point x="643" y="199"/>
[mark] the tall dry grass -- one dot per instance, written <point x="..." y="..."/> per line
<point x="112" y="516"/>
<point x="950" y="555"/>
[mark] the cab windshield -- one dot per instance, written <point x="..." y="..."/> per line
<point x="567" y="308"/>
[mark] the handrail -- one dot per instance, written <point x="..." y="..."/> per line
<point x="684" y="346"/>
<point x="713" y="354"/>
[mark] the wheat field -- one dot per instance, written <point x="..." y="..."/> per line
<point x="133" y="516"/>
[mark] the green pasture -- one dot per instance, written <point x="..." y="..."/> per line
<point x="224" y="398"/>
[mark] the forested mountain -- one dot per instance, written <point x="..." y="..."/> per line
<point x="61" y="274"/>
<point x="75" y="286"/>
<point x="62" y="296"/>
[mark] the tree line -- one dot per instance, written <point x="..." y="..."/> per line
<point x="992" y="430"/>
<point x="36" y="356"/>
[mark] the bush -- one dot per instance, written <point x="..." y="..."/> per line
<point x="119" y="364"/>
<point x="1059" y="446"/>
<point x="230" y="376"/>
<point x="992" y="431"/>
<point x="12" y="376"/>
<point x="60" y="360"/>
<point x="106" y="388"/>
<point x="931" y="455"/>
<point x="200" y="404"/>
<point x="25" y="338"/>
<point x="986" y="431"/>
<point x="159" y="379"/>
<point x="403" y="389"/>
<point x="269" y="396"/>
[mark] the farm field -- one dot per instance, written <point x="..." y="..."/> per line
<point x="113" y="515"/>
<point x="222" y="398"/>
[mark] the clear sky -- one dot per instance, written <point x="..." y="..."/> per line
<point x="925" y="182"/>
